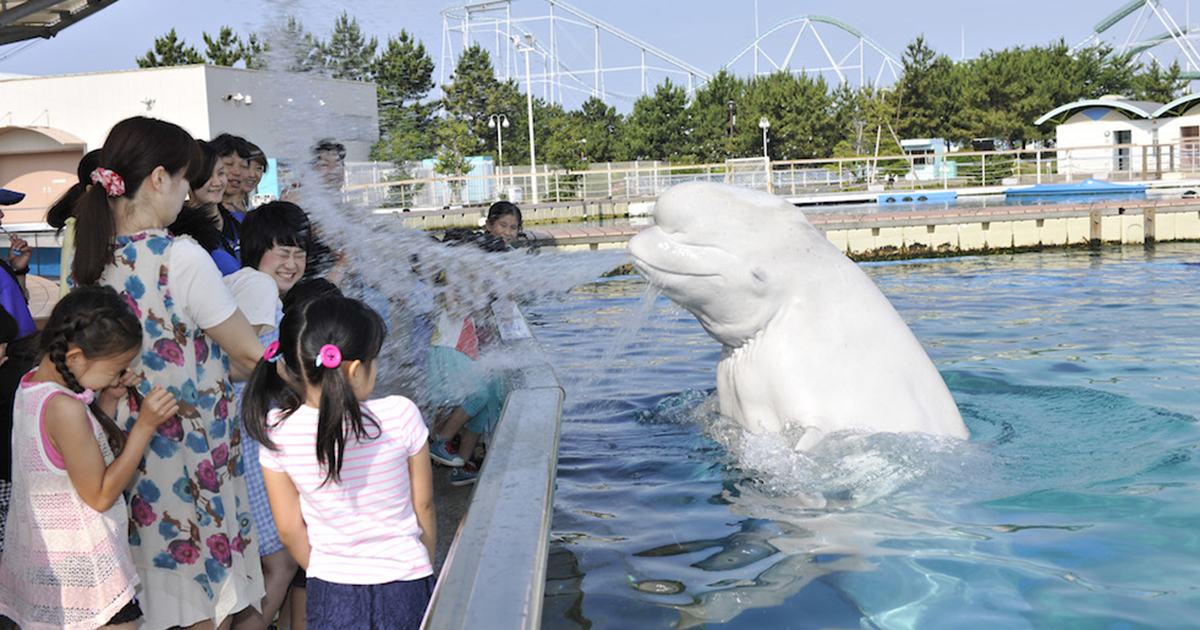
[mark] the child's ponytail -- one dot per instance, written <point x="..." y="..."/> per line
<point x="134" y="148"/>
<point x="265" y="390"/>
<point x="317" y="338"/>
<point x="101" y="325"/>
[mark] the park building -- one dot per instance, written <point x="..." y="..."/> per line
<point x="1115" y="138"/>
<point x="48" y="123"/>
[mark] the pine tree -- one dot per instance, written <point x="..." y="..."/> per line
<point x="658" y="125"/>
<point x="348" y="54"/>
<point x="223" y="50"/>
<point x="403" y="73"/>
<point x="299" y="50"/>
<point x="169" y="50"/>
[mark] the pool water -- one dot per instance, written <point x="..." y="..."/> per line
<point x="1074" y="505"/>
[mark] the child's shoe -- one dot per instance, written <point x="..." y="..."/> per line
<point x="465" y="475"/>
<point x="442" y="452"/>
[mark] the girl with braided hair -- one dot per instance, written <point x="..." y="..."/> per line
<point x="67" y="562"/>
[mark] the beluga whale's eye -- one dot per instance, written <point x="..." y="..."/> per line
<point x="760" y="275"/>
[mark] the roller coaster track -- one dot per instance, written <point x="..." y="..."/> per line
<point x="890" y="62"/>
<point x="1135" y="45"/>
<point x="562" y="61"/>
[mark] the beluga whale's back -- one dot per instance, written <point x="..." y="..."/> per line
<point x="809" y="340"/>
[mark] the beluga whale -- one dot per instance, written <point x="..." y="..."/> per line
<point x="807" y="338"/>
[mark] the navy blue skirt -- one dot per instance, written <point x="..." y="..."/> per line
<point x="393" y="606"/>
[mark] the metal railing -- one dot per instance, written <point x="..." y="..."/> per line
<point x="962" y="169"/>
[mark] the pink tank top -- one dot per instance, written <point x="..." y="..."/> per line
<point x="65" y="564"/>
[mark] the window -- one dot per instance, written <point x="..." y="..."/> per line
<point x="1189" y="147"/>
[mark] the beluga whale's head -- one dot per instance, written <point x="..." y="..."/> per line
<point x="721" y="252"/>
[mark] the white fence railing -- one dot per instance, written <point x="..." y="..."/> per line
<point x="376" y="184"/>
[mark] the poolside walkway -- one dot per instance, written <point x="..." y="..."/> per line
<point x="829" y="220"/>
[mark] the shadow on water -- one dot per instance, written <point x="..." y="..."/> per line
<point x="1076" y="485"/>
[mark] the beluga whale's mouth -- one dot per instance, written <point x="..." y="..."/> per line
<point x="809" y="340"/>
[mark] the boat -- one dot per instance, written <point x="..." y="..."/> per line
<point x="1088" y="186"/>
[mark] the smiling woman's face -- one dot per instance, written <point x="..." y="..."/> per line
<point x="285" y="264"/>
<point x="214" y="188"/>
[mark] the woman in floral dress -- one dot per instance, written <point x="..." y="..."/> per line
<point x="191" y="532"/>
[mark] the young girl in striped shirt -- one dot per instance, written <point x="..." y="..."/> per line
<point x="348" y="479"/>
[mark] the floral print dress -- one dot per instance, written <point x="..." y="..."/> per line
<point x="191" y="531"/>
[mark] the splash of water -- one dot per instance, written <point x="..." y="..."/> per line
<point x="387" y="264"/>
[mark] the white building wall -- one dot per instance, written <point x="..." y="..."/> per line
<point x="1092" y="144"/>
<point x="88" y="105"/>
<point x="286" y="114"/>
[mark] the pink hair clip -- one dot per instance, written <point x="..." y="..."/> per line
<point x="86" y="396"/>
<point x="272" y="353"/>
<point x="329" y="356"/>
<point x="112" y="183"/>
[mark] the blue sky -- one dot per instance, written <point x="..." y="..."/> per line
<point x="705" y="33"/>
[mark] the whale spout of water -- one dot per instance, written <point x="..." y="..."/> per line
<point x="808" y="339"/>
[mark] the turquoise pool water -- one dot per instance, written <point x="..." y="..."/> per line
<point x="1073" y="506"/>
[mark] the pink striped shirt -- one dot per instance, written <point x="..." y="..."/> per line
<point x="363" y="530"/>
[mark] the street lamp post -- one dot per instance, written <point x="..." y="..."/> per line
<point x="528" y="49"/>
<point x="765" y="124"/>
<point x="499" y="140"/>
<point x="731" y="107"/>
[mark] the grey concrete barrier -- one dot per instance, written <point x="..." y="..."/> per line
<point x="495" y="573"/>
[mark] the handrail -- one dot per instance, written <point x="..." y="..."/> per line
<point x="639" y="181"/>
<point x="494" y="575"/>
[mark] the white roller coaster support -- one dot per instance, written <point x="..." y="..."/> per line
<point x="568" y="66"/>
<point x="1185" y="44"/>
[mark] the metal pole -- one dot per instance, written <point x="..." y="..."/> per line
<point x="529" y="107"/>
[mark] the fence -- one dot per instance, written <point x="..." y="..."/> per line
<point x="421" y="188"/>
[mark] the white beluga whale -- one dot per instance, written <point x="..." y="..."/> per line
<point x="808" y="340"/>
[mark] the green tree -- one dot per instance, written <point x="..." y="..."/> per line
<point x="861" y="118"/>
<point x="1158" y="85"/>
<point x="253" y="52"/>
<point x="403" y="74"/>
<point x="169" y="50"/>
<point x="348" y="54"/>
<point x="474" y="94"/>
<point x="300" y="50"/>
<point x="454" y="142"/>
<point x="800" y="111"/>
<point x="712" y="134"/>
<point x="923" y="93"/>
<point x="565" y="141"/>
<point x="658" y="126"/>
<point x="602" y="127"/>
<point x="410" y="137"/>
<point x="225" y="49"/>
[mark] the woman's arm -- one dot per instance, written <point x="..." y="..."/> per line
<point x="238" y="341"/>
<point x="285" y="505"/>
<point x="70" y="431"/>
<point x="199" y="289"/>
<point x="420" y="475"/>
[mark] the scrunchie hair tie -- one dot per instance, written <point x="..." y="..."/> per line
<point x="329" y="356"/>
<point x="112" y="183"/>
<point x="272" y="353"/>
<point x="86" y="396"/>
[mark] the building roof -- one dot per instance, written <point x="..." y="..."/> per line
<point x="29" y="19"/>
<point x="1178" y="106"/>
<point x="1130" y="108"/>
